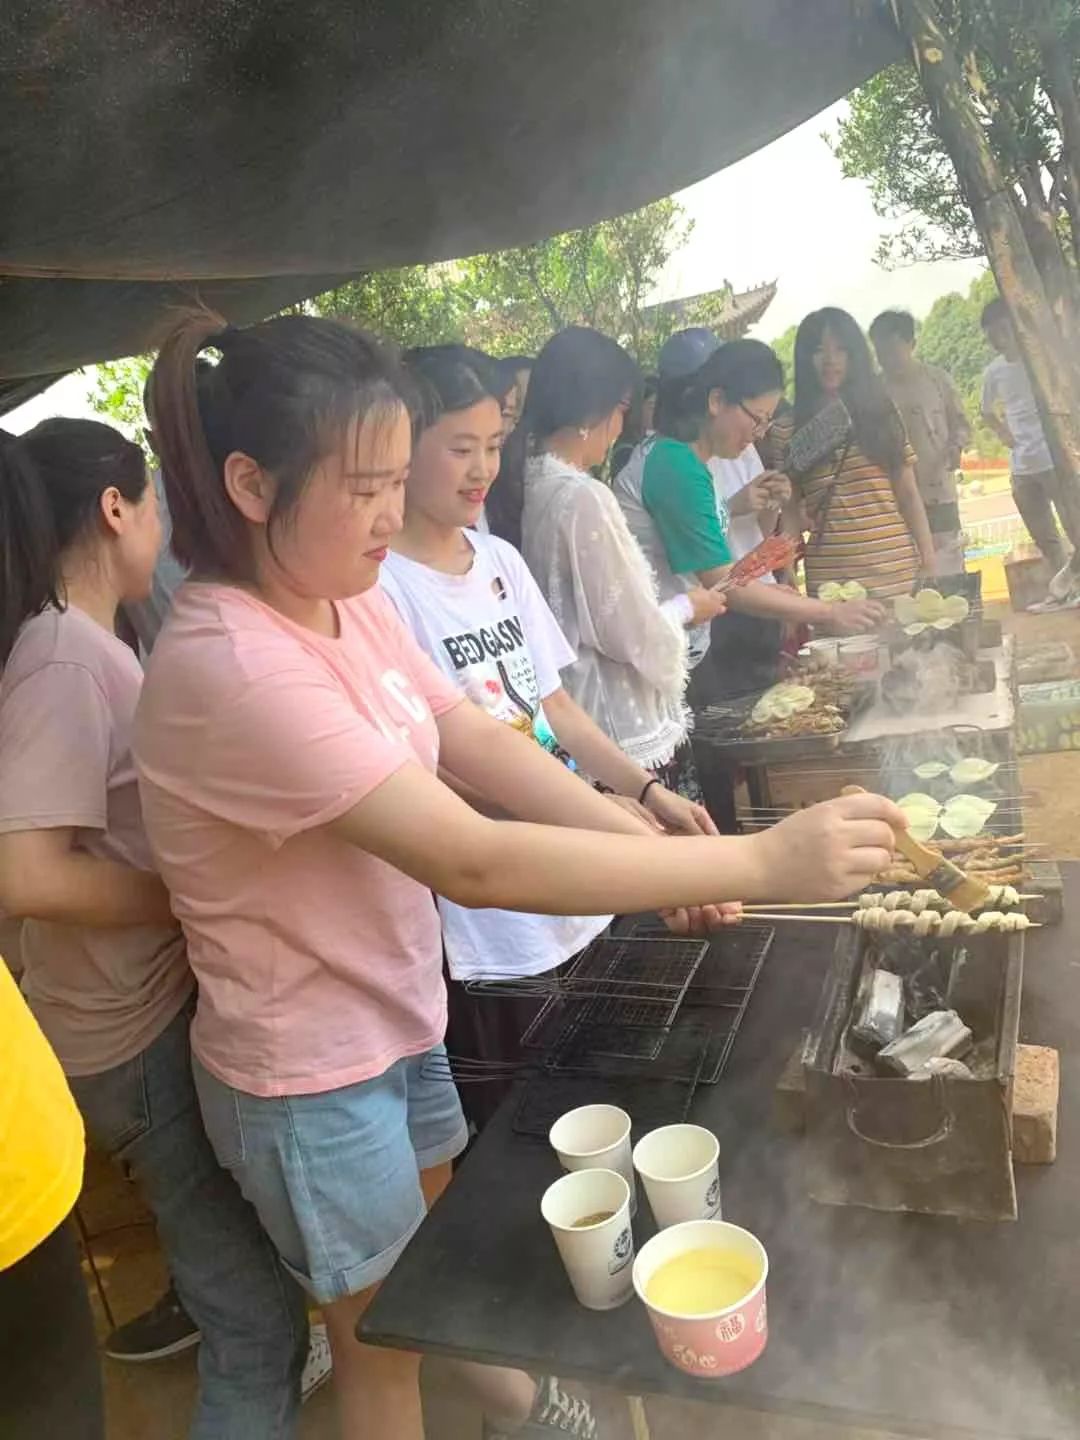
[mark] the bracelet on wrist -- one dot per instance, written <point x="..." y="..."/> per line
<point x="646" y="788"/>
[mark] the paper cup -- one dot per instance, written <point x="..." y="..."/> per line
<point x="596" y="1137"/>
<point x="708" y="1346"/>
<point x="679" y="1165"/>
<point x="598" y="1257"/>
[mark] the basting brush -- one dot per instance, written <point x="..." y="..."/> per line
<point x="962" y="891"/>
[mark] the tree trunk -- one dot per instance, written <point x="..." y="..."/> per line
<point x="1061" y="89"/>
<point x="1059" y="279"/>
<point x="994" y="209"/>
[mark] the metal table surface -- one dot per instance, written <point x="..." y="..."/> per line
<point x="915" y="1324"/>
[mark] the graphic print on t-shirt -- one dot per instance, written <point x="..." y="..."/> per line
<point x="495" y="668"/>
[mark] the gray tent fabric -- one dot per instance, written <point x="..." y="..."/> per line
<point x="146" y="143"/>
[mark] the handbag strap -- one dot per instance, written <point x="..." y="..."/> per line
<point x="817" y="534"/>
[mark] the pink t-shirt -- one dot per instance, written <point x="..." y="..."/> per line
<point x="319" y="965"/>
<point x="67" y="703"/>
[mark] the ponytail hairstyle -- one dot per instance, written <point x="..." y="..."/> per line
<point x="447" y="378"/>
<point x="741" y="369"/>
<point x="284" y="393"/>
<point x="578" y="379"/>
<point x="51" y="483"/>
<point x="877" y="426"/>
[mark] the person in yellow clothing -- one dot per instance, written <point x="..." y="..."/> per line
<point x="48" y="1354"/>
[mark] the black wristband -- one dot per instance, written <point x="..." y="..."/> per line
<point x="646" y="788"/>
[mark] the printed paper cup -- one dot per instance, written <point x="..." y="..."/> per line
<point x="679" y="1166"/>
<point x="725" y="1341"/>
<point x="589" y="1215"/>
<point x="595" y="1137"/>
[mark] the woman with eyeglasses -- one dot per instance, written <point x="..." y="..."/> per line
<point x="697" y="497"/>
<point x="630" y="668"/>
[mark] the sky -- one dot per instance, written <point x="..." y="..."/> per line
<point x="785" y="213"/>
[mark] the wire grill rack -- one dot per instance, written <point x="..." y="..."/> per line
<point x="622" y="994"/>
<point x="645" y="1048"/>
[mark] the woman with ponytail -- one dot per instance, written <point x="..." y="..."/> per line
<point x="288" y="741"/>
<point x="105" y="967"/>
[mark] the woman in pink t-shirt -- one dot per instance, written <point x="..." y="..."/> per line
<point x="287" y="744"/>
<point x="105" y="970"/>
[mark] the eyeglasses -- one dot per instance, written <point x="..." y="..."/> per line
<point x="762" y="423"/>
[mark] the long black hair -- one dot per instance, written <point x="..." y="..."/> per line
<point x="449" y="378"/>
<point x="878" y="429"/>
<point x="51" y="482"/>
<point x="578" y="379"/>
<point x="742" y="369"/>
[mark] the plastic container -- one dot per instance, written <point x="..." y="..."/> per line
<point x="861" y="655"/>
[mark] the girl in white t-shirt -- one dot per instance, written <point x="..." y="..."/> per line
<point x="473" y="605"/>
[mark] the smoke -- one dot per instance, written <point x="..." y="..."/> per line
<point x="914" y="1319"/>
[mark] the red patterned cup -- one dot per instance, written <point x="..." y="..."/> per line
<point x="707" y="1346"/>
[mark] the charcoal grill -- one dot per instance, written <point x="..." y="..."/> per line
<point x="941" y="1146"/>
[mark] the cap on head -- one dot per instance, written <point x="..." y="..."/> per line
<point x="685" y="352"/>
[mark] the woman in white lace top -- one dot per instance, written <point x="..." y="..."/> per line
<point x="630" y="672"/>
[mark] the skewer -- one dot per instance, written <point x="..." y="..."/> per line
<point x="858" y="920"/>
<point x="756" y="910"/>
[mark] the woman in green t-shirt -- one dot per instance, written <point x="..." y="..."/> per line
<point x="673" y="498"/>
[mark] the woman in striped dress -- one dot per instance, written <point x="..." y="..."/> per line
<point x="861" y="503"/>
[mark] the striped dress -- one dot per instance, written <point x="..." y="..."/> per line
<point x="865" y="537"/>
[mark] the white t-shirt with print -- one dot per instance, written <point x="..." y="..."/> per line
<point x="729" y="477"/>
<point x="1006" y="385"/>
<point x="492" y="632"/>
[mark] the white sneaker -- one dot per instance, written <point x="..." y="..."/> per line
<point x="318" y="1367"/>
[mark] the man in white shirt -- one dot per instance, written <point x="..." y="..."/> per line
<point x="1010" y="411"/>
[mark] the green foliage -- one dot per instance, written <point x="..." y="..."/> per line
<point x="889" y="139"/>
<point x="117" y="394"/>
<point x="785" y="350"/>
<point x="951" y="337"/>
<point x="507" y="302"/>
<point x="512" y="301"/>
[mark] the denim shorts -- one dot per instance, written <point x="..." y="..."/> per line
<point x="335" y="1177"/>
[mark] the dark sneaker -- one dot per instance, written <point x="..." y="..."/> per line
<point x="554" y="1412"/>
<point x="165" y="1329"/>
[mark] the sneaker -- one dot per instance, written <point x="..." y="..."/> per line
<point x="1049" y="605"/>
<point x="554" y="1412"/>
<point x="1063" y="582"/>
<point x="165" y="1329"/>
<point x="318" y="1367"/>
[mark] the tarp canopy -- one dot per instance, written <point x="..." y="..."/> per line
<point x="253" y="152"/>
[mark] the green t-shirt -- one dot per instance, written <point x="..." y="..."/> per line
<point x="678" y="492"/>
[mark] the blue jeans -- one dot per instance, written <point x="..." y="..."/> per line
<point x="252" y="1315"/>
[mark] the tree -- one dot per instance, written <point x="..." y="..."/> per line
<point x="785" y="353"/>
<point x="507" y="302"/>
<point x="1018" y="59"/>
<point x="117" y="394"/>
<point x="951" y="337"/>
<point x="986" y="94"/>
<point x="512" y="301"/>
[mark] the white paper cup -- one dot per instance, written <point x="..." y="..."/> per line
<point x="679" y="1165"/>
<point x="596" y="1137"/>
<point x="598" y="1257"/>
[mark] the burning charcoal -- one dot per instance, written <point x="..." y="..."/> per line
<point x="942" y="1032"/>
<point x="942" y="1065"/>
<point x="879" y="1014"/>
